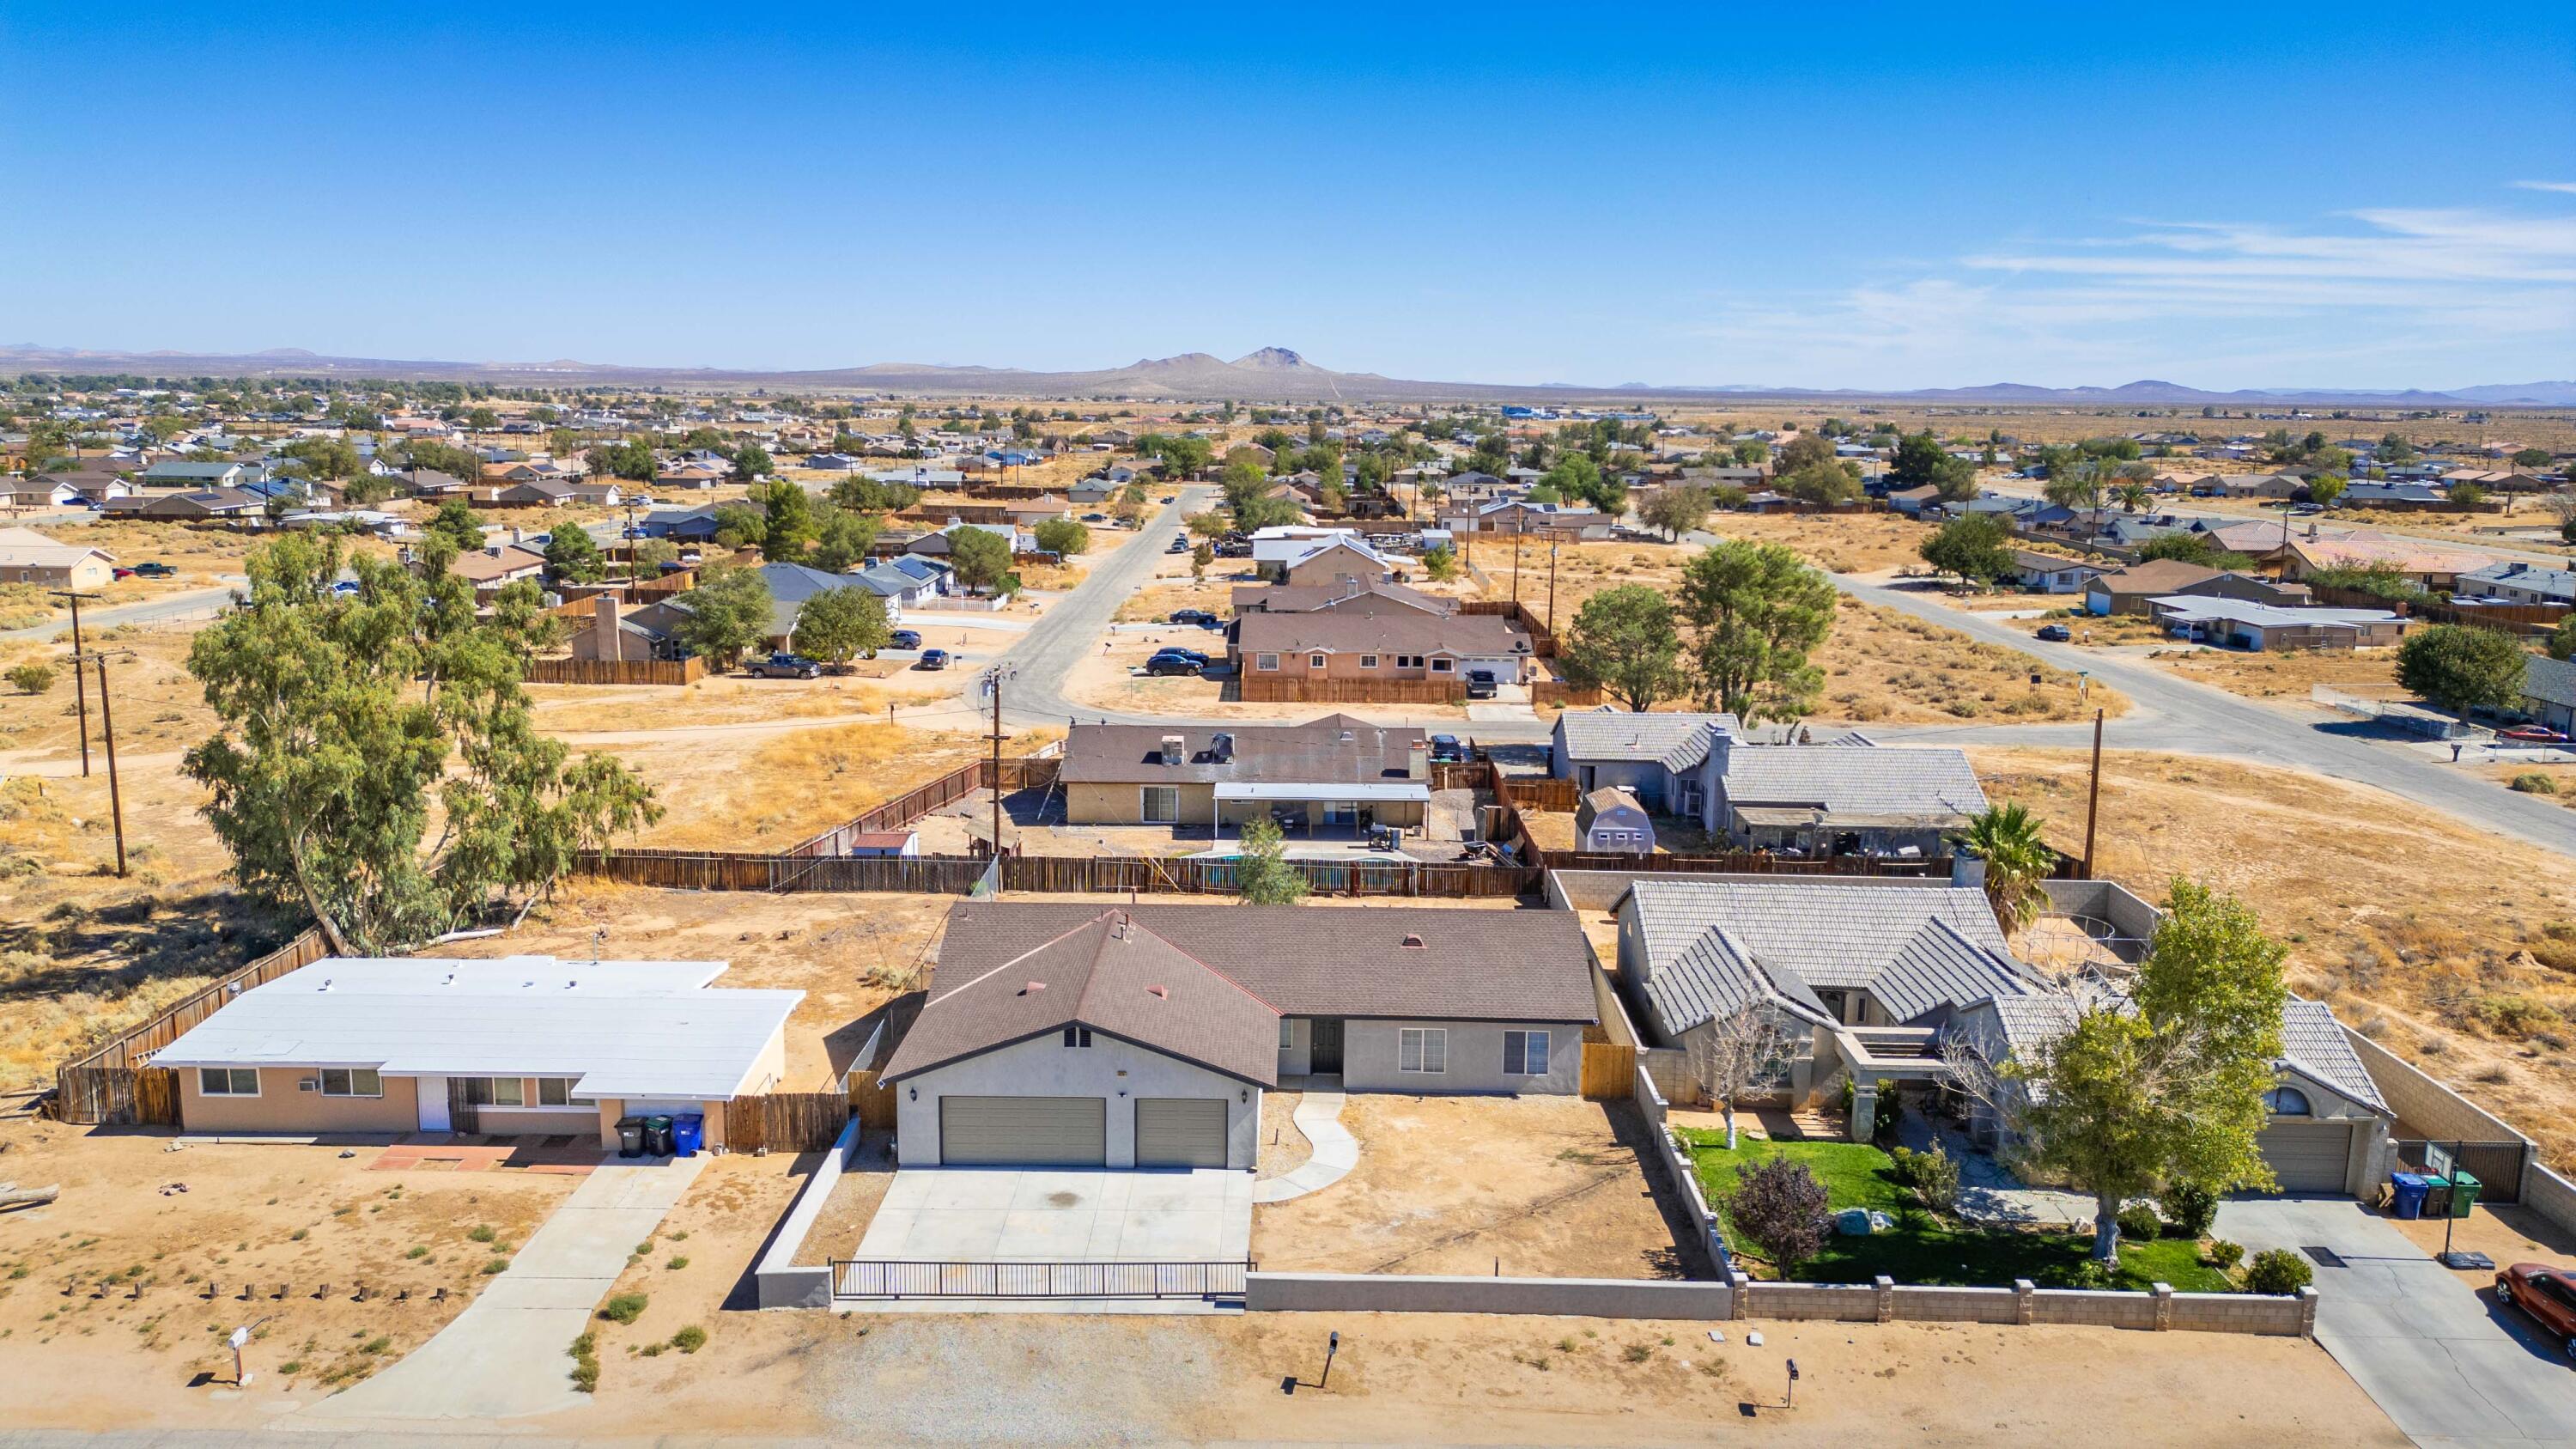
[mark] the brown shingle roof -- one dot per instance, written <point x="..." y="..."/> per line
<point x="1105" y="972"/>
<point x="1379" y="598"/>
<point x="1315" y="752"/>
<point x="1348" y="961"/>
<point x="2155" y="576"/>
<point x="1402" y="631"/>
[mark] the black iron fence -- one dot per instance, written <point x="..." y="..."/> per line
<point x="874" y="1278"/>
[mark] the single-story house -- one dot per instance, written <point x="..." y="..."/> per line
<point x="2128" y="590"/>
<point x="494" y="565"/>
<point x="29" y="557"/>
<point x="1397" y="643"/>
<point x="511" y="1046"/>
<point x="1377" y="598"/>
<point x="2042" y="573"/>
<point x="790" y="585"/>
<point x="2241" y="625"/>
<point x="2429" y="565"/>
<point x="182" y="473"/>
<point x="1067" y="1034"/>
<point x="1344" y="561"/>
<point x="182" y="507"/>
<point x="44" y="490"/>
<point x="1610" y="821"/>
<point x="680" y="525"/>
<point x="1658" y="758"/>
<point x="1847" y="798"/>
<point x="1336" y="771"/>
<point x="2516" y="582"/>
<point x="2549" y="692"/>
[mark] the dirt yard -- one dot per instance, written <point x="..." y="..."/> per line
<point x="302" y="1216"/>
<point x="1155" y="602"/>
<point x="1884" y="665"/>
<point x="1284" y="1149"/>
<point x="1550" y="1186"/>
<point x="2282" y="675"/>
<point x="853" y="1204"/>
<point x="1107" y="678"/>
<point x="2468" y="972"/>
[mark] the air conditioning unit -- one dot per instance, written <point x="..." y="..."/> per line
<point x="309" y="1084"/>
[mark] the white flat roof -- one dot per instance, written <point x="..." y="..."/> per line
<point x="619" y="1028"/>
<point x="1375" y="790"/>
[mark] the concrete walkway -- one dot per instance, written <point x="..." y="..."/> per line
<point x="2453" y="1368"/>
<point x="503" y="1357"/>
<point x="1319" y="1116"/>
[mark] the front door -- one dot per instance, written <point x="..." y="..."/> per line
<point x="433" y="1103"/>
<point x="1326" y="1060"/>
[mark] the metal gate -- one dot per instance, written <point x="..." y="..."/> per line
<point x="874" y="1278"/>
<point x="2496" y="1165"/>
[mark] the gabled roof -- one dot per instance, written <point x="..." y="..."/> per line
<point x="1335" y="749"/>
<point x="1112" y="975"/>
<point x="1837" y="935"/>
<point x="2155" y="576"/>
<point x="2312" y="1042"/>
<point x="1716" y="974"/>
<point x="1676" y="741"/>
<point x="1889" y="784"/>
<point x="2551" y="681"/>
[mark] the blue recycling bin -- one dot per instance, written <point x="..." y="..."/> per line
<point x="2407" y="1196"/>
<point x="688" y="1133"/>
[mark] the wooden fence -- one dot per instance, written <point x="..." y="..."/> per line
<point x="1746" y="862"/>
<point x="111" y="1086"/>
<point x="785" y="1121"/>
<point x="1563" y="694"/>
<point x="1609" y="1071"/>
<point x="1254" y="688"/>
<point x="958" y="874"/>
<point x="617" y="671"/>
<point x="1538" y="792"/>
<point x="1022" y="772"/>
<point x="1542" y="642"/>
<point x="872" y="1104"/>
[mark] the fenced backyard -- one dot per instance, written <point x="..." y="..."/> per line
<point x="110" y="1086"/>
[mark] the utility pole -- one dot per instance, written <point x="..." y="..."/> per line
<point x="1553" y="545"/>
<point x="115" y="800"/>
<point x="1516" y="558"/>
<point x="2093" y="796"/>
<point x="993" y="678"/>
<point x="80" y="684"/>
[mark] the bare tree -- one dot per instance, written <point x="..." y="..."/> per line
<point x="1745" y="1051"/>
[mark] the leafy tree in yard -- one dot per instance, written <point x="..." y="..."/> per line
<point x="982" y="560"/>
<point x="1209" y="525"/>
<point x="630" y="458"/>
<point x="2562" y="640"/>
<point x="1755" y="611"/>
<point x="868" y="495"/>
<point x="2531" y="458"/>
<point x="1623" y="640"/>
<point x="2081" y="483"/>
<point x="2133" y="495"/>
<point x="1977" y="547"/>
<point x="752" y="461"/>
<point x="838" y="625"/>
<point x="331" y="458"/>
<point x="1822" y="483"/>
<point x="2467" y="495"/>
<point x="1063" y="536"/>
<point x="729" y="613"/>
<point x="741" y="525"/>
<point x="572" y="555"/>
<point x="787" y="521"/>
<point x="1920" y="459"/>
<point x="1750" y="452"/>
<point x="2380" y="580"/>
<point x="2460" y="667"/>
<point x="1262" y="874"/>
<point x="1261" y="513"/>
<point x="1440" y="562"/>
<point x="842" y="540"/>
<point x="1779" y="1207"/>
<point x="2325" y="488"/>
<point x="32" y="678"/>
<point x="1201" y="555"/>
<point x="340" y="714"/>
<point x="2168" y="1090"/>
<point x="2017" y="856"/>
<point x="1676" y="510"/>
<point x="455" y="522"/>
<point x="445" y="458"/>
<point x="1807" y="450"/>
<point x="2190" y="548"/>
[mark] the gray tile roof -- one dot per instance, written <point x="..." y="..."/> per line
<point x="2551" y="681"/>
<point x="2313" y="1042"/>
<point x="1886" y="782"/>
<point x="2034" y="1020"/>
<point x="1350" y="961"/>
<point x="1717" y="973"/>
<point x="1834" y="935"/>
<point x="1676" y="741"/>
<point x="1107" y="973"/>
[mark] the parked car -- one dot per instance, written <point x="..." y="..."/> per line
<point x="123" y="572"/>
<point x="2544" y="1291"/>
<point x="1481" y="685"/>
<point x="2054" y="633"/>
<point x="2532" y="734"/>
<point x="904" y="639"/>
<point x="1446" y="750"/>
<point x="155" y="571"/>
<point x="783" y="665"/>
<point x="1168" y="664"/>
<point x="1095" y="518"/>
<point x="1193" y="655"/>
<point x="1179" y="545"/>
<point x="933" y="659"/>
<point x="1200" y="617"/>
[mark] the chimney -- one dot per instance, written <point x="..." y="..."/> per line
<point x="1968" y="871"/>
<point x="611" y="642"/>
<point x="1417" y="761"/>
<point x="1176" y="750"/>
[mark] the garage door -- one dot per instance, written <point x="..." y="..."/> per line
<point x="2307" y="1156"/>
<point x="1180" y="1132"/>
<point x="1023" y="1131"/>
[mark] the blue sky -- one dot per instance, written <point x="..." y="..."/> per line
<point x="2231" y="196"/>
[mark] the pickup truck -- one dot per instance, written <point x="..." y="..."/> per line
<point x="154" y="571"/>
<point x="783" y="665"/>
<point x="1481" y="684"/>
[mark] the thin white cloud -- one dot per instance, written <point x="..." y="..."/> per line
<point x="2566" y="186"/>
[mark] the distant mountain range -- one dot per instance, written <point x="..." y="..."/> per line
<point x="1273" y="374"/>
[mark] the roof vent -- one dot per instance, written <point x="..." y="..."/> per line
<point x="1348" y="737"/>
<point x="1159" y="993"/>
<point x="326" y="983"/>
<point x="1412" y="942"/>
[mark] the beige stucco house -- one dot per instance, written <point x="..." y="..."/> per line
<point x="1337" y="772"/>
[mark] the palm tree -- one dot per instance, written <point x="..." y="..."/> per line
<point x="2007" y="838"/>
<point x="2132" y="495"/>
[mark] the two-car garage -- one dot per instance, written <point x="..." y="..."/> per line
<point x="1074" y="1131"/>
<point x="2312" y="1156"/>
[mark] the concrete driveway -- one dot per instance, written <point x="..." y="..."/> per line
<point x="2451" y="1367"/>
<point x="1061" y="1215"/>
<point x="503" y="1357"/>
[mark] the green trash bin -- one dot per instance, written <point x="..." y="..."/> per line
<point x="2437" y="1195"/>
<point x="2464" y="1193"/>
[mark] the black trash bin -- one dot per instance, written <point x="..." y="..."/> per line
<point x="657" y="1136"/>
<point x="630" y="1136"/>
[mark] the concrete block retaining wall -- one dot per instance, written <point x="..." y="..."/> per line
<point x="1412" y="1293"/>
<point x="2548" y="1194"/>
<point x="1955" y="1305"/>
<point x="780" y="1281"/>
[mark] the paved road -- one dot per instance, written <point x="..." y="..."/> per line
<point x="2453" y="1369"/>
<point x="503" y="1357"/>
<point x="1067" y="632"/>
<point x="192" y="604"/>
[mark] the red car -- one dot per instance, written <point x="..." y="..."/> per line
<point x="2546" y="1292"/>
<point x="2532" y="735"/>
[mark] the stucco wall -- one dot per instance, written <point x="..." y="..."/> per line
<point x="1298" y="1060"/>
<point x="768" y="1069"/>
<point x="1115" y="1070"/>
<point x="281" y="1107"/>
<point x="1094" y="803"/>
<point x="1474" y="1058"/>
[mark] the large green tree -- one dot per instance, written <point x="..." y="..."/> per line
<point x="1063" y="536"/>
<point x="573" y="556"/>
<point x="1920" y="459"/>
<point x="1623" y="641"/>
<point x="728" y="614"/>
<point x="2461" y="666"/>
<point x="843" y="540"/>
<point x="982" y="560"/>
<point x="1677" y="509"/>
<point x="1976" y="546"/>
<point x="1755" y="611"/>
<point x="838" y="625"/>
<point x="343" y="719"/>
<point x="1262" y="874"/>
<point x="2165" y="1089"/>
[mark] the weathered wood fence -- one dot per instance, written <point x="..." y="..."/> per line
<point x="110" y="1085"/>
<point x="617" y="671"/>
<point x="1022" y="772"/>
<point x="958" y="874"/>
<point x="1257" y="688"/>
<point x="785" y="1121"/>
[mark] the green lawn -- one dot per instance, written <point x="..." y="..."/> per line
<point x="1930" y="1251"/>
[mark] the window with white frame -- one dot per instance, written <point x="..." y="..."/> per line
<point x="509" y="1092"/>
<point x="1265" y="661"/>
<point x="1314" y="661"/>
<point x="1525" y="1054"/>
<point x="352" y="1082"/>
<point x="228" y="1081"/>
<point x="1422" y="1049"/>
<point x="1368" y="661"/>
<point x="1161" y="805"/>
<point x="555" y="1091"/>
<point x="1444" y="666"/>
<point x="1287" y="1034"/>
<point x="1077" y="1036"/>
